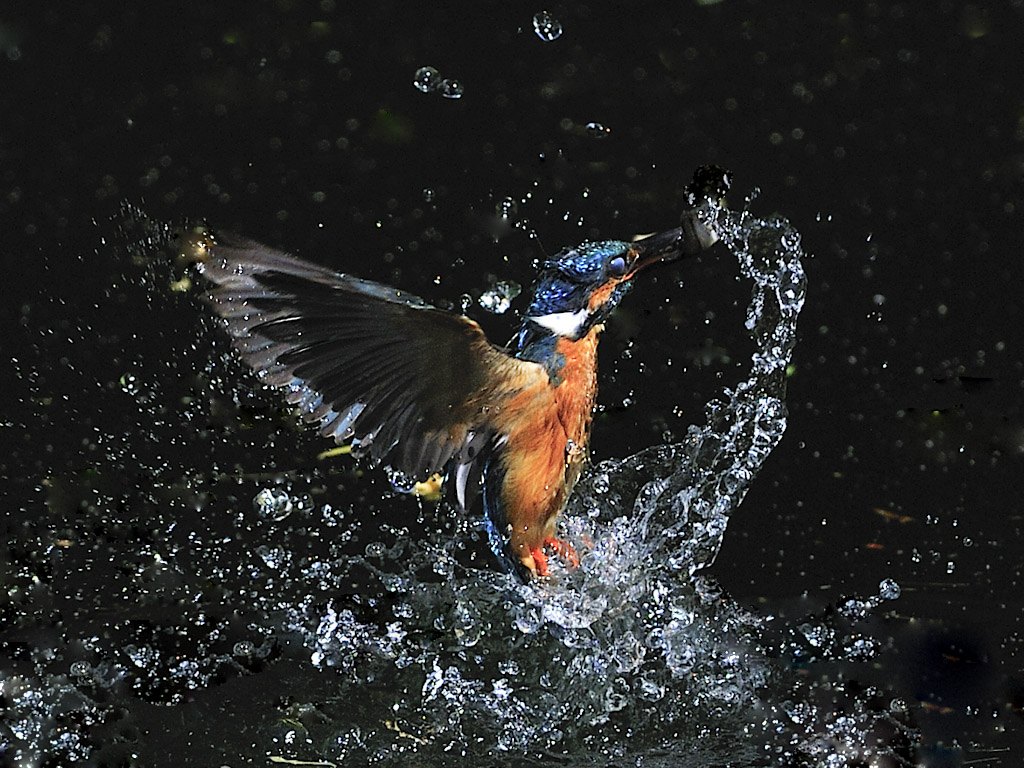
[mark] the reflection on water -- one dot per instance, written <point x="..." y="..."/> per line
<point x="635" y="658"/>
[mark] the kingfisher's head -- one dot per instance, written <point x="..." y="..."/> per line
<point x="580" y="286"/>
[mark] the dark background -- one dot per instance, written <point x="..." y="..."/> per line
<point x="891" y="135"/>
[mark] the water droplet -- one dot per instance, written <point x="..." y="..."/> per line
<point x="141" y="656"/>
<point x="817" y="635"/>
<point x="791" y="290"/>
<point x="273" y="557"/>
<point x="855" y="610"/>
<point x="528" y="620"/>
<point x="499" y="298"/>
<point x="597" y="130"/>
<point x="888" y="589"/>
<point x="547" y="27"/>
<point x="428" y="195"/>
<point x="451" y="88"/>
<point x="273" y="503"/>
<point x="861" y="648"/>
<point x="401" y="482"/>
<point x="244" y="648"/>
<point x="651" y="690"/>
<point x="130" y="384"/>
<point x="507" y="208"/>
<point x="426" y="79"/>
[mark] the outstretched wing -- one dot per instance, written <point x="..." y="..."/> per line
<point x="406" y="382"/>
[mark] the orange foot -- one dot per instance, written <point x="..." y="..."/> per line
<point x="558" y="547"/>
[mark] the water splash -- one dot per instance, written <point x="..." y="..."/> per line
<point x="433" y="656"/>
<point x="636" y="640"/>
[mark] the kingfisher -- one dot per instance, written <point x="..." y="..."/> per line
<point x="424" y="391"/>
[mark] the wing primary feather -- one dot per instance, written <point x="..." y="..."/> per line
<point x="404" y="381"/>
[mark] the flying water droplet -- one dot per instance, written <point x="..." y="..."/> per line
<point x="273" y="503"/>
<point x="400" y="481"/>
<point x="888" y="589"/>
<point x="861" y="648"/>
<point x="426" y="79"/>
<point x="499" y="298"/>
<point x="276" y="558"/>
<point x="507" y="208"/>
<point x="130" y="384"/>
<point x="244" y="648"/>
<point x="598" y="130"/>
<point x="141" y="656"/>
<point x="451" y="88"/>
<point x="792" y="288"/>
<point x="546" y="26"/>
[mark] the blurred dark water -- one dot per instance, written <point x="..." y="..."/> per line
<point x="134" y="444"/>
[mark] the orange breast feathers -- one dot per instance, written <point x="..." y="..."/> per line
<point x="548" y="428"/>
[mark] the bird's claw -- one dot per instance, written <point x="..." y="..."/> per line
<point x="559" y="547"/>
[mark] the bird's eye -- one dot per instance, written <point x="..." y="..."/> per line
<point x="617" y="266"/>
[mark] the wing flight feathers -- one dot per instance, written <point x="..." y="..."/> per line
<point x="406" y="382"/>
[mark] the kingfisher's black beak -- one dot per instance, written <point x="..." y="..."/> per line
<point x="688" y="239"/>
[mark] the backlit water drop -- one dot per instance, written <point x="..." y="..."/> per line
<point x="546" y="26"/>
<point x="451" y="88"/>
<point x="498" y="298"/>
<point x="426" y="79"/>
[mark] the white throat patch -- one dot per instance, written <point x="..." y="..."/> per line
<point x="563" y="323"/>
